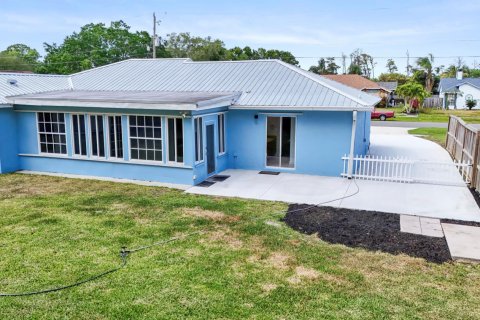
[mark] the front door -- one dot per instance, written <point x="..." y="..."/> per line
<point x="210" y="149"/>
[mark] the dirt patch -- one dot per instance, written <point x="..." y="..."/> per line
<point x="228" y="238"/>
<point x="378" y="231"/>
<point x="209" y="214"/>
<point x="279" y="260"/>
<point x="268" y="287"/>
<point x="302" y="273"/>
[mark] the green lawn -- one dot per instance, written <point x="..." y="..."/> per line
<point x="437" y="135"/>
<point x="434" y="115"/>
<point x="55" y="231"/>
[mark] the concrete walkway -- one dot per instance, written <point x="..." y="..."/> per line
<point x="463" y="242"/>
<point x="427" y="200"/>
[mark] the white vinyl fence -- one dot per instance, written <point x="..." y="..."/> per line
<point x="407" y="171"/>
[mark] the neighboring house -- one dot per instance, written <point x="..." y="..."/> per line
<point x="179" y="121"/>
<point x="361" y="83"/>
<point x="456" y="91"/>
<point x="391" y="87"/>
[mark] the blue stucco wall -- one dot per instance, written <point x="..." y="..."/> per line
<point x="8" y="141"/>
<point x="30" y="159"/>
<point x="362" y="133"/>
<point x="322" y="138"/>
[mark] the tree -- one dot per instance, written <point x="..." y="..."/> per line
<point x="285" y="56"/>
<point x="391" y="66"/>
<point x="19" y="57"/>
<point x="361" y="63"/>
<point x="325" y="66"/>
<point x="471" y="104"/>
<point x="425" y="66"/>
<point x="399" y="77"/>
<point x="97" y="45"/>
<point x="411" y="90"/>
<point x="184" y="45"/>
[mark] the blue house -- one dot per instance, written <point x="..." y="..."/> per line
<point x="180" y="121"/>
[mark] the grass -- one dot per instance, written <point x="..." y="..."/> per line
<point x="436" y="115"/>
<point x="437" y="135"/>
<point x="55" y="231"/>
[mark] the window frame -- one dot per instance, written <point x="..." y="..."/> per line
<point x="91" y="155"/>
<point x="115" y="158"/>
<point x="222" y="145"/>
<point x="294" y="117"/>
<point x="39" y="143"/>
<point x="167" y="144"/>
<point x="199" y="144"/>
<point x="161" y="139"/>
<point x="72" y="138"/>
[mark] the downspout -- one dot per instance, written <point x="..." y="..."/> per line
<point x="352" y="145"/>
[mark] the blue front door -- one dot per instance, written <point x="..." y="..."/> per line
<point x="210" y="149"/>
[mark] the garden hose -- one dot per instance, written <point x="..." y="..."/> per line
<point x="124" y="252"/>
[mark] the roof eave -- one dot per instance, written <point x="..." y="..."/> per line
<point x="303" y="108"/>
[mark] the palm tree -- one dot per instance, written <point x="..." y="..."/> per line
<point x="426" y="65"/>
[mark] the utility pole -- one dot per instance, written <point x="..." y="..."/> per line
<point x="154" y="37"/>
<point x="408" y="64"/>
<point x="344" y="63"/>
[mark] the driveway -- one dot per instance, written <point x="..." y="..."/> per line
<point x="404" y="124"/>
<point x="437" y="201"/>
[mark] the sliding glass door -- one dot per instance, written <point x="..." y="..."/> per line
<point x="281" y="142"/>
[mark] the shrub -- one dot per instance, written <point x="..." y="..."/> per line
<point x="471" y="104"/>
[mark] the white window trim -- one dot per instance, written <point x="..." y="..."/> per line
<point x="157" y="139"/>
<point x="223" y="132"/>
<point x="97" y="138"/>
<point x="198" y="139"/>
<point x="72" y="138"/>
<point x="175" y="134"/>
<point x="266" y="142"/>
<point x="38" y="134"/>
<point x="114" y="116"/>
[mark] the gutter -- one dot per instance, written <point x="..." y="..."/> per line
<point x="352" y="145"/>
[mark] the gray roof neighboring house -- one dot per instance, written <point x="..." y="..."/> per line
<point x="388" y="85"/>
<point x="256" y="83"/>
<point x="447" y="84"/>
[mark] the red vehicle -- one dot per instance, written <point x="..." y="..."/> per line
<point x="382" y="114"/>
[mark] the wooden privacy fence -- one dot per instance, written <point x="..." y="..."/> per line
<point x="463" y="143"/>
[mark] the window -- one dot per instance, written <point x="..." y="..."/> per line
<point x="51" y="132"/>
<point x="221" y="133"/>
<point x="281" y="142"/>
<point x="198" y="139"/>
<point x="175" y="139"/>
<point x="115" y="136"/>
<point x="145" y="138"/>
<point x="97" y="136"/>
<point x="79" y="135"/>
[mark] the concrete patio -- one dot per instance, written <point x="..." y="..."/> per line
<point x="428" y="200"/>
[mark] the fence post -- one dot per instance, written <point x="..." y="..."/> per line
<point x="448" y="133"/>
<point x="473" y="181"/>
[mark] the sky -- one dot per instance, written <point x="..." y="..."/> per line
<point x="309" y="29"/>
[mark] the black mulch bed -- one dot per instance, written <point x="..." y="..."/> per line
<point x="365" y="229"/>
<point x="465" y="223"/>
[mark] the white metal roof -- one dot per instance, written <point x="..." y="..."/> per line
<point x="12" y="84"/>
<point x="128" y="99"/>
<point x="262" y="83"/>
